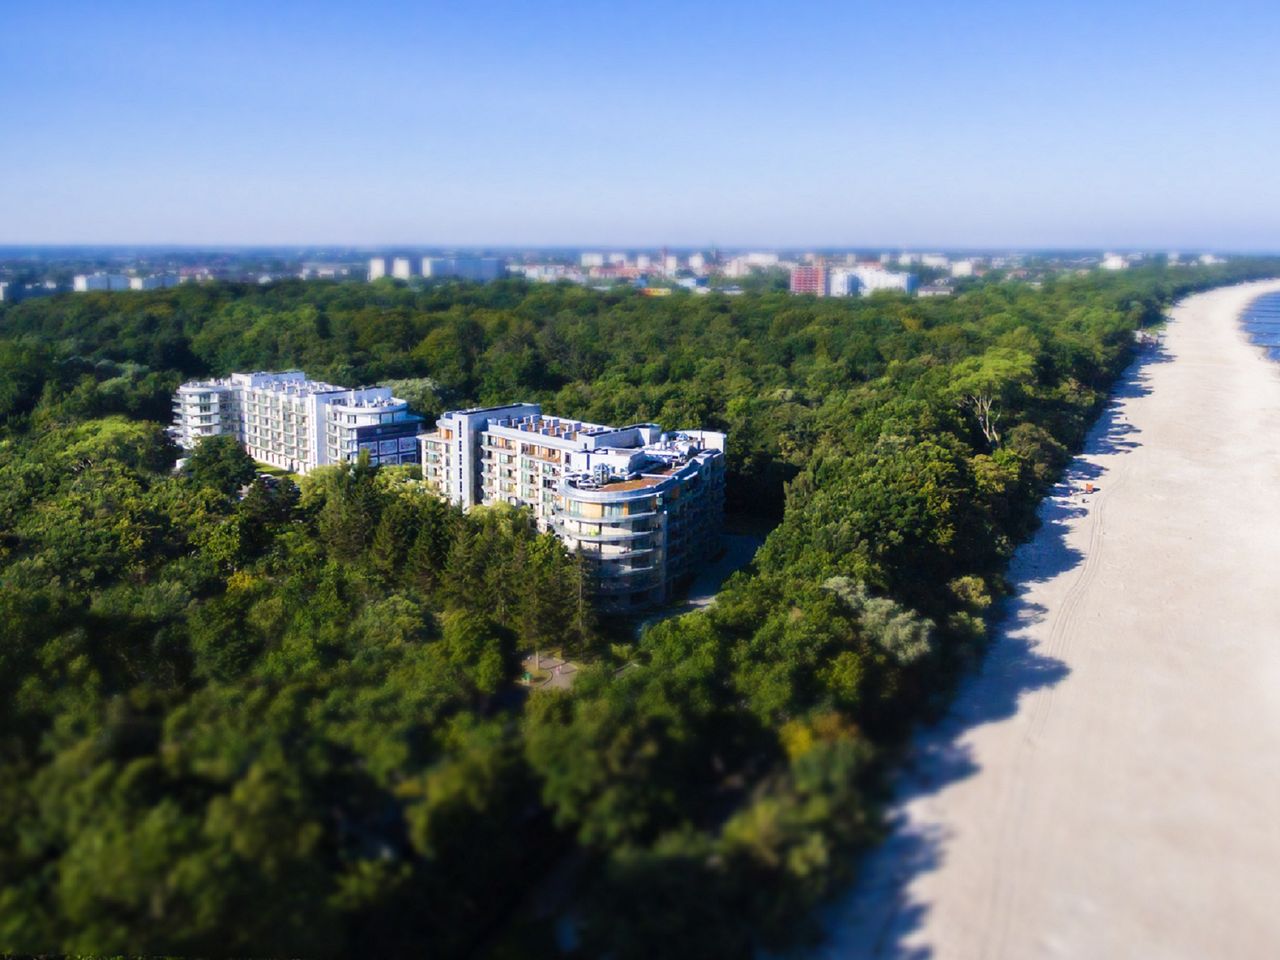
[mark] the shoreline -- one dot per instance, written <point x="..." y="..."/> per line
<point x="1102" y="786"/>
<point x="1266" y="350"/>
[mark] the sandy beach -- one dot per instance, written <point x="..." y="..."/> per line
<point x="1108" y="783"/>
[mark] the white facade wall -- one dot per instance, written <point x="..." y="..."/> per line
<point x="478" y="269"/>
<point x="843" y="282"/>
<point x="154" y="282"/>
<point x="377" y="268"/>
<point x="875" y="278"/>
<point x="98" y="282"/>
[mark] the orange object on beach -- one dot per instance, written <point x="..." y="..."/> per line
<point x="1088" y="488"/>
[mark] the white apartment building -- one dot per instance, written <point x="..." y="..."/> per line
<point x="938" y="261"/>
<point x="1113" y="261"/>
<point x="642" y="506"/>
<point x="154" y="282"/>
<point x="592" y="260"/>
<point x="962" y="268"/>
<point x="843" y="282"/>
<point x="479" y="269"/>
<point x="86" y="283"/>
<point x="873" y="277"/>
<point x="697" y="262"/>
<point x="377" y="268"/>
<point x="402" y="268"/>
<point x="294" y="423"/>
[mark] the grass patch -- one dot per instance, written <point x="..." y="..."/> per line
<point x="270" y="470"/>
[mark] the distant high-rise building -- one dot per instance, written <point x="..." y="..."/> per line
<point x="811" y="279"/>
<point x="617" y="259"/>
<point x="154" y="282"/>
<point x="936" y="260"/>
<point x="670" y="263"/>
<point x="592" y="260"/>
<point x="479" y="269"/>
<point x="962" y="268"/>
<point x="93" y="282"/>
<point x="377" y="268"/>
<point x="402" y="268"/>
<point x="697" y="262"/>
<point x="843" y="282"/>
<point x="873" y="277"/>
<point x="5" y="295"/>
<point x="1113" y="261"/>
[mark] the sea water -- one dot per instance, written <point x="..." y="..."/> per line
<point x="1261" y="321"/>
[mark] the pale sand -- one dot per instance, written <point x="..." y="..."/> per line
<point x="1108" y="784"/>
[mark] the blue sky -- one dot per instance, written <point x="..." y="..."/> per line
<point x="751" y="123"/>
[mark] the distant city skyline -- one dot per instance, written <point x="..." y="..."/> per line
<point x="997" y="125"/>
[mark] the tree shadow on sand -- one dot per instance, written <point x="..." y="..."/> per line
<point x="878" y="917"/>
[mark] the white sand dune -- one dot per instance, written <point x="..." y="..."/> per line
<point x="1108" y="785"/>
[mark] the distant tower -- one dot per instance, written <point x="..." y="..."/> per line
<point x="811" y="279"/>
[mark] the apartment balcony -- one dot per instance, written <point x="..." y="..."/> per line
<point x="629" y="551"/>
<point x="610" y="521"/>
<point x="613" y="535"/>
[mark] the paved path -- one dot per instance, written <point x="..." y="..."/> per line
<point x="1108" y="785"/>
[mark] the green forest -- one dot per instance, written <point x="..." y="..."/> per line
<point x="252" y="719"/>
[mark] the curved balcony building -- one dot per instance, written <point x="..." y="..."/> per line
<point x="644" y="534"/>
<point x="643" y="507"/>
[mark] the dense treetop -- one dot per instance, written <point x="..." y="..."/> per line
<point x="250" y="718"/>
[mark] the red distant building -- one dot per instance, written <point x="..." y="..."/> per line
<point x="809" y="280"/>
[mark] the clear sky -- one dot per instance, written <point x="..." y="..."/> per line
<point x="1029" y="123"/>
